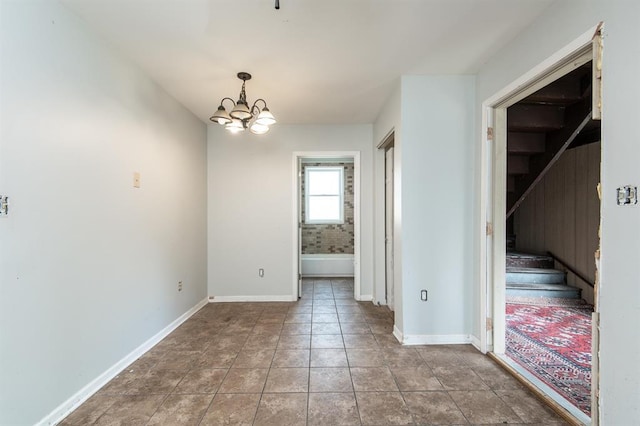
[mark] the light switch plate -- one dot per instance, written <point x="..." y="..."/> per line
<point x="136" y="179"/>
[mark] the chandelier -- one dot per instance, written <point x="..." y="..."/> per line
<point x="241" y="117"/>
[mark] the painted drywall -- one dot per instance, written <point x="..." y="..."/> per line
<point x="562" y="215"/>
<point x="437" y="132"/>
<point x="619" y="293"/>
<point x="251" y="198"/>
<point x="89" y="264"/>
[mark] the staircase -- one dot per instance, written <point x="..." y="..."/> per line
<point x="530" y="275"/>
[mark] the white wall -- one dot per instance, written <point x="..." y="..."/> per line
<point x="619" y="296"/>
<point x="88" y="264"/>
<point x="437" y="134"/>
<point x="251" y="198"/>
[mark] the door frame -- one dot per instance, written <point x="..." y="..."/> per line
<point x="491" y="225"/>
<point x="298" y="156"/>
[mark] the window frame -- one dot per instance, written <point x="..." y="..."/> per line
<point x="308" y="196"/>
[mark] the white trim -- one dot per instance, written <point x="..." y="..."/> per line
<point x="488" y="211"/>
<point x="327" y="155"/>
<point x="283" y="298"/>
<point x="365" y="298"/>
<point x="309" y="170"/>
<point x="398" y="334"/>
<point x="64" y="409"/>
<point x="435" y="339"/>
<point x="477" y="344"/>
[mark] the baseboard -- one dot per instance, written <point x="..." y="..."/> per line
<point x="64" y="409"/>
<point x="327" y="275"/>
<point x="397" y="333"/>
<point x="222" y="299"/>
<point x="365" y="298"/>
<point x="476" y="343"/>
<point x="435" y="339"/>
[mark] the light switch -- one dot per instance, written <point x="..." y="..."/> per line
<point x="136" y="179"/>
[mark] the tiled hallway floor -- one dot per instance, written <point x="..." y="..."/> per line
<point x="325" y="360"/>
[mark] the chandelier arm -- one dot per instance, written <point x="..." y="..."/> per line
<point x="224" y="99"/>
<point x="256" y="102"/>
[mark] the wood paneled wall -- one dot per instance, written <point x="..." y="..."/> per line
<point x="562" y="214"/>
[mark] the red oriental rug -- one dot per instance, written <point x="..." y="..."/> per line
<point x="554" y="344"/>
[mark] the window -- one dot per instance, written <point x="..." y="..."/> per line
<point x="324" y="194"/>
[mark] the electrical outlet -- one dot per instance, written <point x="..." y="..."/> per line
<point x="423" y="295"/>
<point x="179" y="285"/>
<point x="261" y="272"/>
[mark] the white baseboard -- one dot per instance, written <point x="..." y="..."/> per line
<point x="397" y="333"/>
<point x="64" y="409"/>
<point x="435" y="339"/>
<point x="476" y="343"/>
<point x="221" y="299"/>
<point x="365" y="298"/>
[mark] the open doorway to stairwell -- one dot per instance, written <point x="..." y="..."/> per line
<point x="546" y="171"/>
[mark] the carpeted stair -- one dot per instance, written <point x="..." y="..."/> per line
<point x="530" y="275"/>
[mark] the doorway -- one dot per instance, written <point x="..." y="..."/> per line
<point x="497" y="181"/>
<point x="326" y="218"/>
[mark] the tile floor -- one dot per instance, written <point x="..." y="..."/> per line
<point x="325" y="360"/>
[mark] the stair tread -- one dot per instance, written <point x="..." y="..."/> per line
<point x="540" y="286"/>
<point x="519" y="270"/>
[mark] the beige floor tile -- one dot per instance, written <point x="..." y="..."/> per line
<point x="416" y="378"/>
<point x="326" y="341"/>
<point x="254" y="359"/>
<point x="282" y="409"/>
<point x="328" y="358"/>
<point x="383" y="408"/>
<point x="131" y="410"/>
<point x="402" y="357"/>
<point x="291" y="358"/>
<point x="296" y="328"/>
<point x="335" y="409"/>
<point x="294" y="341"/>
<point x="372" y="379"/>
<point x="326" y="328"/>
<point x="156" y="382"/>
<point x="324" y="309"/>
<point x="360" y="341"/>
<point x="430" y="408"/>
<point x="201" y="380"/>
<point x="244" y="380"/>
<point x="90" y="410"/>
<point x="231" y="409"/>
<point x="460" y="378"/>
<point x="324" y="318"/>
<point x="213" y="358"/>
<point x="330" y="380"/>
<point x="528" y="407"/>
<point x="354" y="327"/>
<point x="365" y="358"/>
<point x="267" y="328"/>
<point x="261" y="341"/>
<point x="181" y="410"/>
<point x="287" y="380"/>
<point x="484" y="407"/>
<point x="298" y="317"/>
<point x="497" y="378"/>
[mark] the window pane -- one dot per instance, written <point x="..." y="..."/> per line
<point x="324" y="208"/>
<point x="324" y="182"/>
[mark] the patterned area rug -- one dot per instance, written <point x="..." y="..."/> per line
<point x="553" y="342"/>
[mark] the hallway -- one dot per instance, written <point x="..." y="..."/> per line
<point x="324" y="360"/>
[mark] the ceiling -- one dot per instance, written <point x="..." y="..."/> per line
<point x="313" y="61"/>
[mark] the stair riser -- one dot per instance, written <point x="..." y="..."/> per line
<point x="530" y="278"/>
<point x="565" y="294"/>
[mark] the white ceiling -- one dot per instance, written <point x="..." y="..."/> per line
<point x="314" y="61"/>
